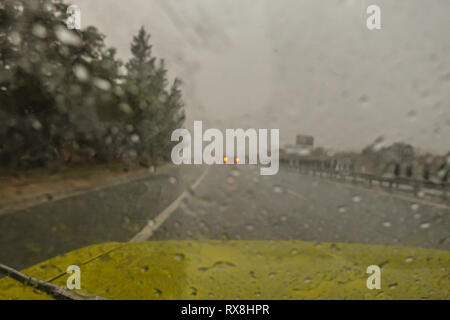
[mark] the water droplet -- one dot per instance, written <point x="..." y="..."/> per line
<point x="412" y="115"/>
<point x="393" y="286"/>
<point x="249" y="228"/>
<point x="67" y="37"/>
<point x="15" y="38"/>
<point x="134" y="138"/>
<point x="230" y="180"/>
<point x="39" y="30"/>
<point x="81" y="72"/>
<point x="102" y="84"/>
<point x="202" y="270"/>
<point x="125" y="108"/>
<point x="364" y="98"/>
<point x="342" y="209"/>
<point x="178" y="256"/>
<point x="18" y="7"/>
<point x="36" y="125"/>
<point x="235" y="173"/>
<point x="425" y="225"/>
<point x="172" y="180"/>
<point x="157" y="292"/>
<point x="277" y="189"/>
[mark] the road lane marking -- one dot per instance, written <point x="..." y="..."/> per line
<point x="156" y="222"/>
<point x="296" y="194"/>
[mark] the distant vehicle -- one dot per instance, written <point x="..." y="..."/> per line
<point x="235" y="160"/>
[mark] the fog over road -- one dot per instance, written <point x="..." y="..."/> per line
<point x="230" y="202"/>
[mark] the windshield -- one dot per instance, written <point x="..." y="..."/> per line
<point x="225" y="150"/>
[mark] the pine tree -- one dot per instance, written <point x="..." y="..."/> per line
<point x="146" y="90"/>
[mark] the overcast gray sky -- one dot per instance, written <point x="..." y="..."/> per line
<point x="304" y="66"/>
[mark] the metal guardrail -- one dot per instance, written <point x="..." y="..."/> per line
<point x="416" y="186"/>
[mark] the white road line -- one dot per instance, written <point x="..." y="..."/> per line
<point x="296" y="194"/>
<point x="155" y="223"/>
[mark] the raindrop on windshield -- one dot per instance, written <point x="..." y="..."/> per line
<point x="67" y="37"/>
<point x="39" y="31"/>
<point x="342" y="209"/>
<point x="157" y="292"/>
<point x="179" y="256"/>
<point x="425" y="225"/>
<point x="277" y="189"/>
<point x="172" y="180"/>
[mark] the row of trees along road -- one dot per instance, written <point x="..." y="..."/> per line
<point x="65" y="97"/>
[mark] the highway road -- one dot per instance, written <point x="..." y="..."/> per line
<point x="224" y="202"/>
<point x="235" y="202"/>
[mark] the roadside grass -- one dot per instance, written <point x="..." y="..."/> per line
<point x="18" y="185"/>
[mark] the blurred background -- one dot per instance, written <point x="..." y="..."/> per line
<point x="300" y="65"/>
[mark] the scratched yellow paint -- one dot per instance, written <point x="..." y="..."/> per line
<point x="245" y="270"/>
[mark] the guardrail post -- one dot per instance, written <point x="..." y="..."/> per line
<point x="444" y="192"/>
<point x="416" y="189"/>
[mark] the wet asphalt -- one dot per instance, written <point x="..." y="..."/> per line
<point x="231" y="202"/>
